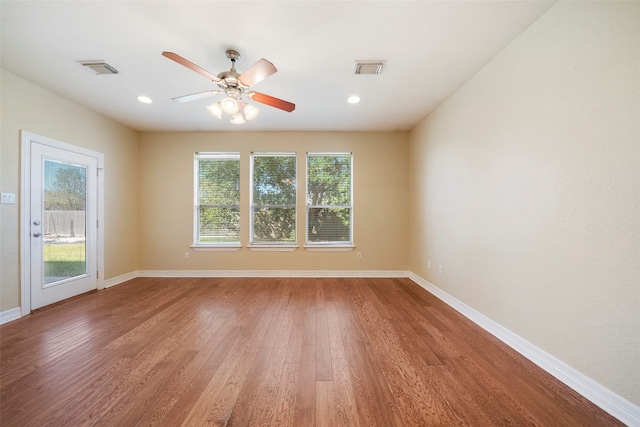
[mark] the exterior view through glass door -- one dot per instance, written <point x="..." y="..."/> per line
<point x="64" y="221"/>
<point x="63" y="224"/>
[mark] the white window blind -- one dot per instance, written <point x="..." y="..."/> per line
<point x="273" y="198"/>
<point x="329" y="199"/>
<point x="217" y="199"/>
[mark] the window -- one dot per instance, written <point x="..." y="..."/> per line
<point x="329" y="199"/>
<point x="273" y="198"/>
<point x="217" y="199"/>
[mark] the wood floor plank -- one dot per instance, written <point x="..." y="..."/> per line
<point x="275" y="366"/>
<point x="270" y="352"/>
<point x="191" y="360"/>
<point x="264" y="408"/>
<point x="285" y="401"/>
<point x="345" y="403"/>
<point x="216" y="403"/>
<point x="336" y="345"/>
<point x="110" y="394"/>
<point x="251" y="401"/>
<point x="324" y="372"/>
<point x="216" y="352"/>
<point x="371" y="392"/>
<point x="304" y="410"/>
<point x="325" y="404"/>
<point x="257" y="398"/>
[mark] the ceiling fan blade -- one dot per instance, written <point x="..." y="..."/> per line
<point x="257" y="73"/>
<point x="272" y="101"/>
<point x="194" y="96"/>
<point x="190" y="65"/>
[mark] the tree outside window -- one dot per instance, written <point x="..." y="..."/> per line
<point x="217" y="213"/>
<point x="329" y="198"/>
<point x="67" y="191"/>
<point x="273" y="198"/>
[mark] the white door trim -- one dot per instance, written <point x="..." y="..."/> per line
<point x="25" y="211"/>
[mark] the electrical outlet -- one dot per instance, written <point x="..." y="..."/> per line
<point x="359" y="255"/>
<point x="186" y="255"/>
<point x="429" y="264"/>
<point x="440" y="269"/>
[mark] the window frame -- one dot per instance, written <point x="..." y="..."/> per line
<point x="336" y="245"/>
<point x="272" y="245"/>
<point x="217" y="246"/>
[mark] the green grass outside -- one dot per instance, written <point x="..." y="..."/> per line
<point x="64" y="260"/>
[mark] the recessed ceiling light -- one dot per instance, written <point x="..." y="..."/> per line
<point x="145" y="99"/>
<point x="353" y="99"/>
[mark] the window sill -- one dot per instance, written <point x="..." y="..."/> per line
<point x="273" y="248"/>
<point x="329" y="248"/>
<point x="216" y="248"/>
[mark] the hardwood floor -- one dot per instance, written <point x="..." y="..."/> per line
<point x="247" y="351"/>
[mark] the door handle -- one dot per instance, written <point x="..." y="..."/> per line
<point x="37" y="234"/>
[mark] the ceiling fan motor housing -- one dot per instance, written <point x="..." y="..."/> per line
<point x="229" y="79"/>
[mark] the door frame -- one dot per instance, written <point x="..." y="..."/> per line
<point x="25" y="211"/>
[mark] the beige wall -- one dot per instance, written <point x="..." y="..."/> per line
<point x="25" y="106"/>
<point x="380" y="200"/>
<point x="525" y="187"/>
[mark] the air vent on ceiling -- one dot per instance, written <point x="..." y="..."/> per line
<point x="98" y="67"/>
<point x="368" y="67"/>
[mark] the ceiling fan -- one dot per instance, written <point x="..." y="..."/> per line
<point x="236" y="88"/>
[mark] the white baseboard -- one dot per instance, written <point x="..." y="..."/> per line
<point x="10" y="315"/>
<point x="273" y="273"/>
<point x="120" y="279"/>
<point x="601" y="396"/>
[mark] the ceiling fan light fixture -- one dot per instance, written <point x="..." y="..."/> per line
<point x="250" y="112"/>
<point x="216" y="110"/>
<point x="237" y="119"/>
<point x="230" y="106"/>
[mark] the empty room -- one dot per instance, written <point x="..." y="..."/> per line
<point x="309" y="213"/>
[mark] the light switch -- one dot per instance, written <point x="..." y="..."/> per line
<point x="8" y="198"/>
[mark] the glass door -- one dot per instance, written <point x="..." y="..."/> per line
<point x="63" y="224"/>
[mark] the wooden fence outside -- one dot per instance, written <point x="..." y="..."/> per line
<point x="64" y="223"/>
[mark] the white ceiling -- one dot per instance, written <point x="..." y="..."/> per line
<point x="430" y="47"/>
